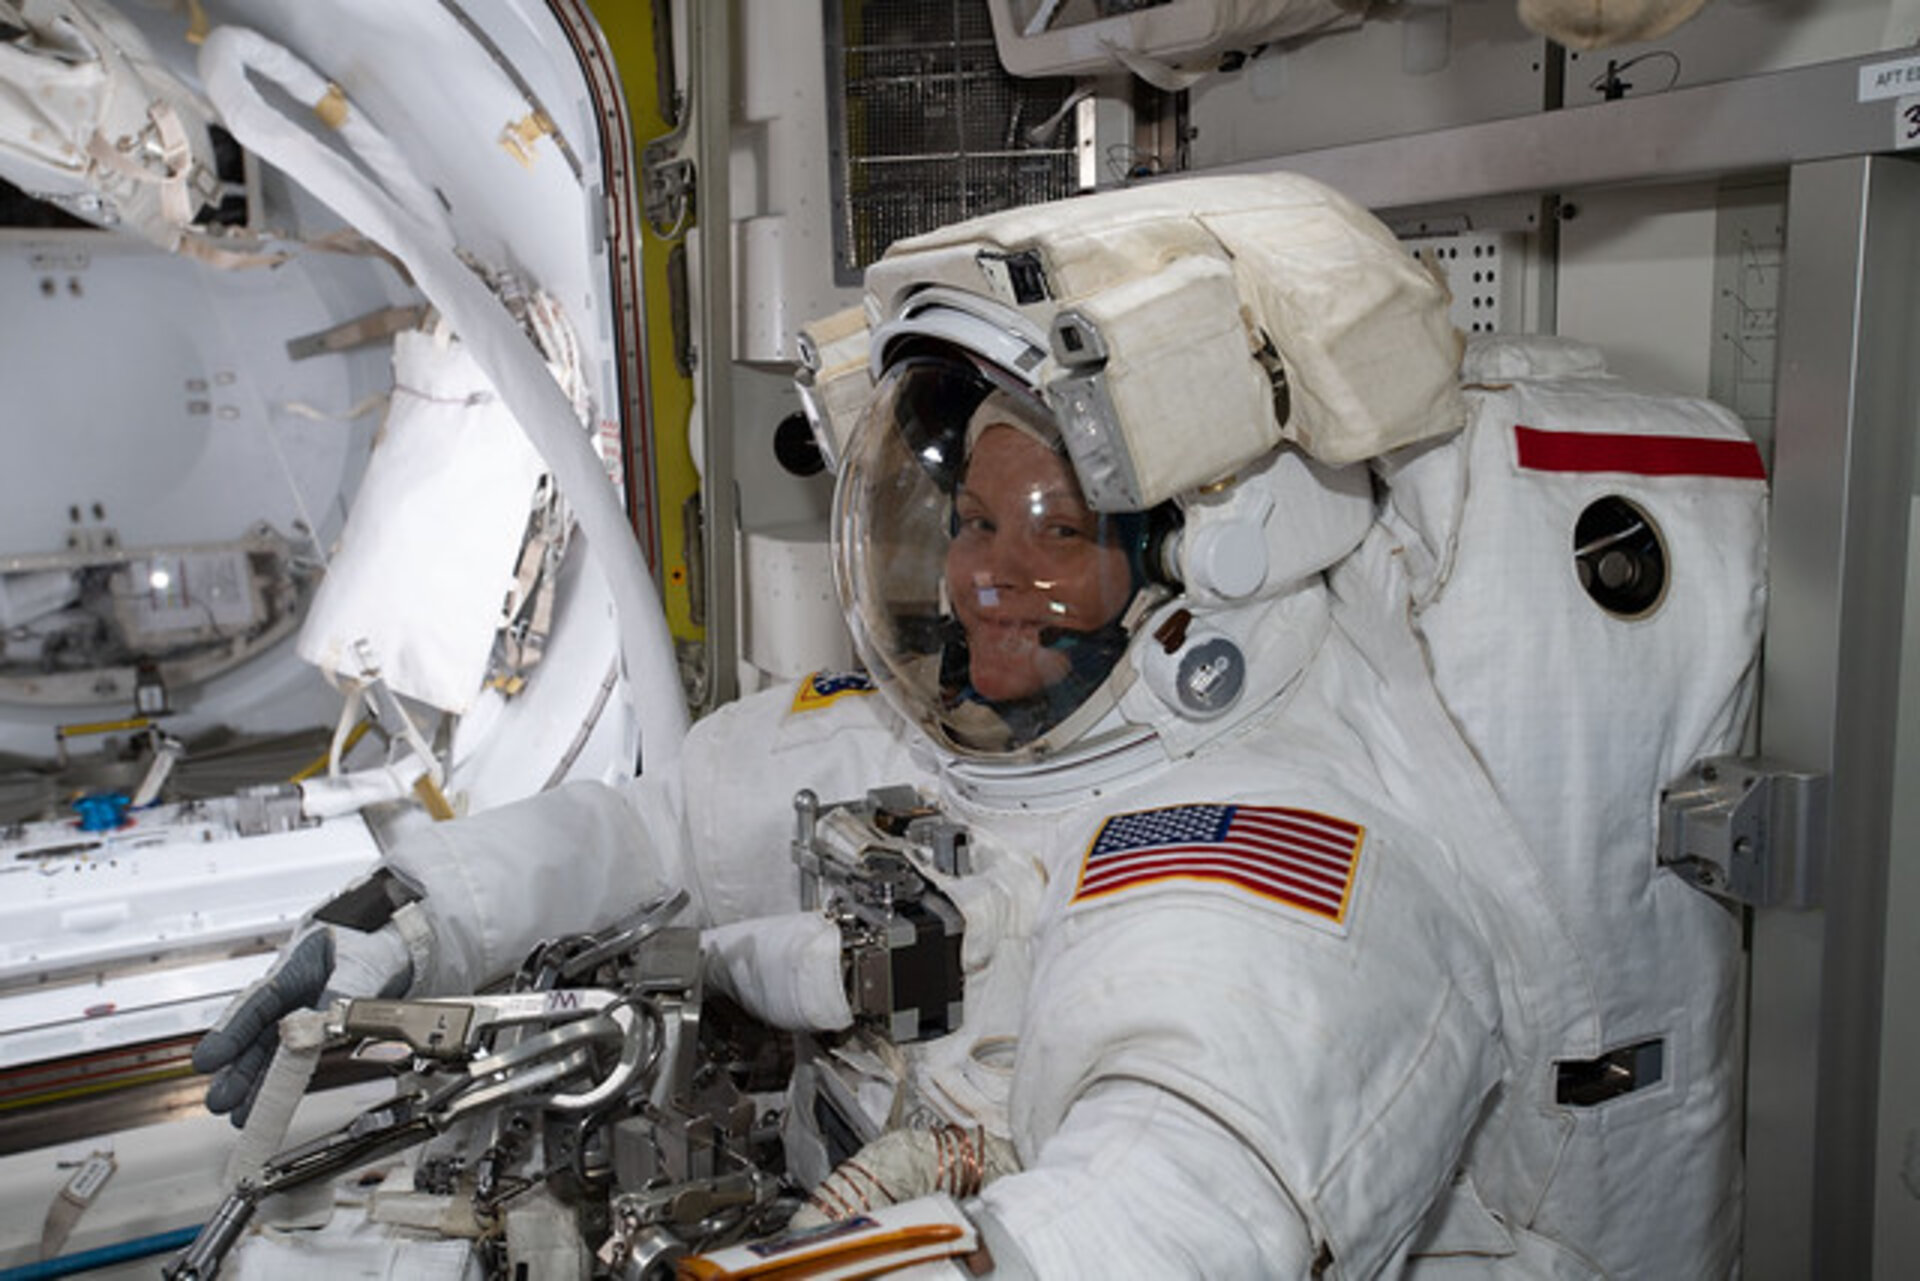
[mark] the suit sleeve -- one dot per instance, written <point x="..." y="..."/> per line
<point x="1296" y="1091"/>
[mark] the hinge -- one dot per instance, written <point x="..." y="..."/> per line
<point x="1747" y="829"/>
<point x="666" y="186"/>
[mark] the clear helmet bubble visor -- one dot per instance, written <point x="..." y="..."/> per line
<point x="988" y="600"/>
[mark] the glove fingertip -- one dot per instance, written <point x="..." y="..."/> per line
<point x="226" y="1092"/>
<point x="213" y="1052"/>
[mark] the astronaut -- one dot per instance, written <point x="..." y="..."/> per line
<point x="1238" y="984"/>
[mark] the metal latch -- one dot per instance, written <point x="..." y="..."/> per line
<point x="1588" y="1083"/>
<point x="873" y="865"/>
<point x="666" y="186"/>
<point x="1747" y="829"/>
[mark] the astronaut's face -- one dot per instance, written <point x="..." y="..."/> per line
<point x="1028" y="561"/>
<point x="986" y="600"/>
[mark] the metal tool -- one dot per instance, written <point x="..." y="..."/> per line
<point x="446" y="1033"/>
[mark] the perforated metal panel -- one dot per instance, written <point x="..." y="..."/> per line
<point x="1483" y="271"/>
<point x="930" y="129"/>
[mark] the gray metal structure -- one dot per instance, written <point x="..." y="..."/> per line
<point x="711" y="43"/>
<point x="1848" y="412"/>
<point x="927" y="128"/>
<point x="1843" y="472"/>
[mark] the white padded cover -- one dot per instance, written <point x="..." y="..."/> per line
<point x="428" y="552"/>
<point x="1601" y="24"/>
<point x="1359" y="327"/>
<point x="1581" y="718"/>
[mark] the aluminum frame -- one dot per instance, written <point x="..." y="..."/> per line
<point x="1736" y="126"/>
<point x="1848" y="406"/>
<point x="710" y="37"/>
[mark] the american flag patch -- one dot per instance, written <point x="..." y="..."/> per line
<point x="1296" y="857"/>
<point x="822" y="688"/>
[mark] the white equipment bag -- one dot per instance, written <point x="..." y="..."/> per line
<point x="415" y="590"/>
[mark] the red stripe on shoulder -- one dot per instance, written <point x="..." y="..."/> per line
<point x="1571" y="451"/>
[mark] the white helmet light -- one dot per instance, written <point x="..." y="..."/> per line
<point x="1156" y="385"/>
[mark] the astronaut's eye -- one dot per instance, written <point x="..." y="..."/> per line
<point x="1620" y="557"/>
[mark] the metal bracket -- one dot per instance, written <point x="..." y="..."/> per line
<point x="666" y="186"/>
<point x="1748" y="830"/>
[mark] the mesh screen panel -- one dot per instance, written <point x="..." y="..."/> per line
<point x="932" y="130"/>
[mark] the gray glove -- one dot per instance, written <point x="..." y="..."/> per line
<point x="323" y="964"/>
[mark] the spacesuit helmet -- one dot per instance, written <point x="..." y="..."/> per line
<point x="984" y="592"/>
<point x="1085" y="449"/>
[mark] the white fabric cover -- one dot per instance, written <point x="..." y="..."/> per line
<point x="1360" y="328"/>
<point x="1601" y="24"/>
<point x="1170" y="46"/>
<point x="1581" y="718"/>
<point x="1154" y="377"/>
<point x="82" y="80"/>
<point x="1495" y="358"/>
<point x="431" y="543"/>
<point x="54" y="86"/>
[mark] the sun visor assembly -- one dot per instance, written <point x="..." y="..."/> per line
<point x="1148" y="352"/>
<point x="1268" y="307"/>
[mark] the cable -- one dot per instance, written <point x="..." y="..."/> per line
<point x="1610" y="86"/>
<point x="104" y="1257"/>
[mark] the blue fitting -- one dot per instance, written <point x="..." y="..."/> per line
<point x="102" y="811"/>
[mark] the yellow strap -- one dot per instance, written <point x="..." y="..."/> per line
<point x="202" y="249"/>
<point x="520" y="136"/>
<point x="100" y="727"/>
<point x="832" y="1258"/>
<point x="318" y="766"/>
<point x="432" y="798"/>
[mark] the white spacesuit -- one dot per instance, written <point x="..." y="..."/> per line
<point x="1260" y="969"/>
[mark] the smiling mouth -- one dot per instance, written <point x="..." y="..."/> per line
<point x="1009" y="634"/>
<point x="1007" y="631"/>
